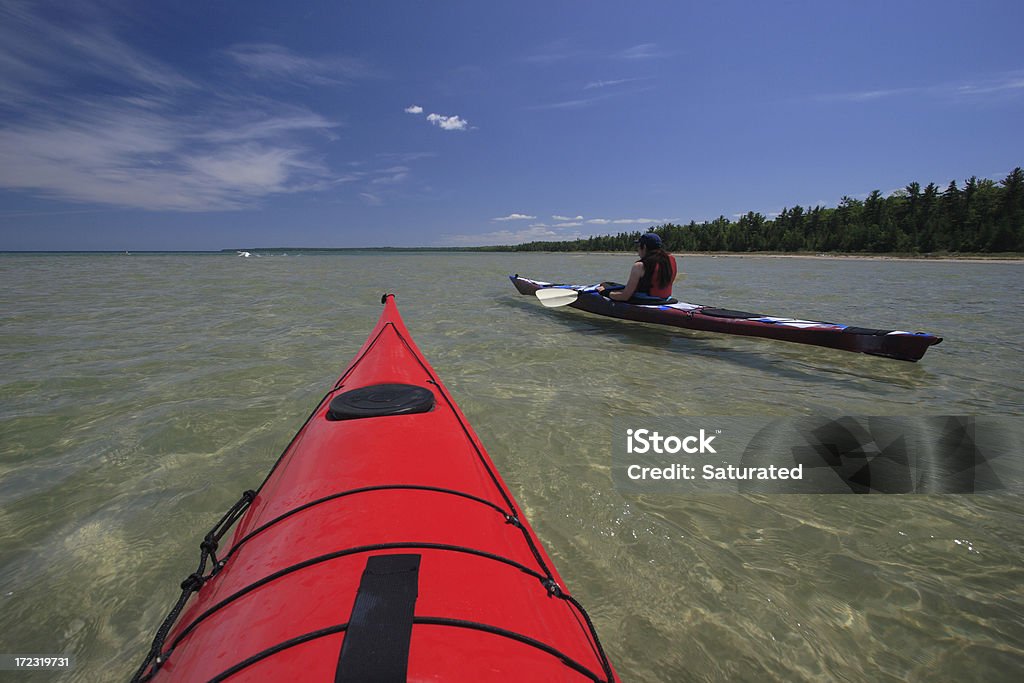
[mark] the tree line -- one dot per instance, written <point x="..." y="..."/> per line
<point x="981" y="217"/>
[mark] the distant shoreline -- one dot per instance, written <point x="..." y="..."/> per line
<point x="1011" y="258"/>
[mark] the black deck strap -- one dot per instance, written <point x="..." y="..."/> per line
<point x="866" y="330"/>
<point x="376" y="645"/>
<point x="642" y="300"/>
<point x="728" y="313"/>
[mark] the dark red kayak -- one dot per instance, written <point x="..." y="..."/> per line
<point x="897" y="344"/>
<point x="383" y="546"/>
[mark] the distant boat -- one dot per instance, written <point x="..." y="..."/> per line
<point x="244" y="254"/>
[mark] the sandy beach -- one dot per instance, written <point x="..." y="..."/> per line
<point x="1010" y="258"/>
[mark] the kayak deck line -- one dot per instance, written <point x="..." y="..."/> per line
<point x="365" y="489"/>
<point x="370" y="396"/>
<point x="425" y="621"/>
<point x="897" y="344"/>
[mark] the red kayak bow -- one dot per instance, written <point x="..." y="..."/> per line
<point x="383" y="546"/>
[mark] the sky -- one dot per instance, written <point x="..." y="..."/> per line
<point x="222" y="124"/>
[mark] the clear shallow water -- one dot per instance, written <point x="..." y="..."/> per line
<point x="139" y="395"/>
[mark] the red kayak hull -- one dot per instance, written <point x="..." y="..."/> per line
<point x="487" y="605"/>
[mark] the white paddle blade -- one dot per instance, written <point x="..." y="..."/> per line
<point x="556" y="296"/>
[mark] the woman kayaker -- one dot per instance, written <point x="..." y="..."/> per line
<point x="652" y="275"/>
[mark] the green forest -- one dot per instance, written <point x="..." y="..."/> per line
<point x="982" y="217"/>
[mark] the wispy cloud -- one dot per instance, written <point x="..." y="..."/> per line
<point x="565" y="228"/>
<point x="642" y="51"/>
<point x="405" y="157"/>
<point x="264" y="125"/>
<point x="127" y="157"/>
<point x="599" y="96"/>
<point x="533" y="233"/>
<point x="414" y="109"/>
<point x="642" y="221"/>
<point x="144" y="135"/>
<point x="612" y="83"/>
<point x="1007" y="83"/>
<point x="628" y="221"/>
<point x="391" y="176"/>
<point x="39" y="55"/>
<point x="269" y="61"/>
<point x="565" y="50"/>
<point x="515" y="217"/>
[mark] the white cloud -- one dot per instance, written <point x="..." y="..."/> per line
<point x="414" y="109"/>
<point x="533" y="233"/>
<point x="1015" y="82"/>
<point x="448" y="122"/>
<point x="247" y="169"/>
<point x="609" y="84"/>
<point x="649" y="221"/>
<point x="146" y="136"/>
<point x="642" y="51"/>
<point x="515" y="217"/>
<point x="151" y="161"/>
<point x="371" y="199"/>
<point x="866" y="95"/>
<point x="567" y="228"/>
<point x="569" y="104"/>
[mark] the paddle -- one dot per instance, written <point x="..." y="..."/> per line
<point x="553" y="297"/>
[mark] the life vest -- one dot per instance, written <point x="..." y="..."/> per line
<point x="647" y="284"/>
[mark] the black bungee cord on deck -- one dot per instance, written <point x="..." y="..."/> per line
<point x="194" y="581"/>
